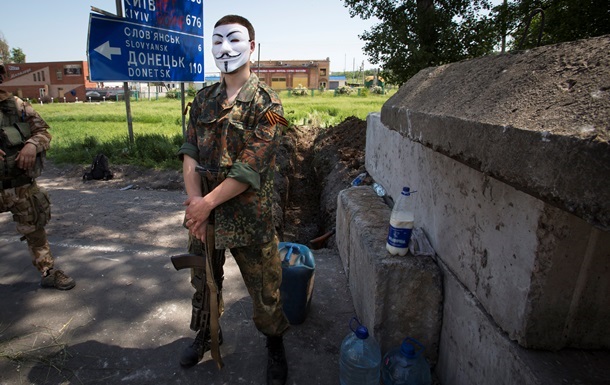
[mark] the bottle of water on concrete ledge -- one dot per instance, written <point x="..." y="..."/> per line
<point x="401" y="224"/>
<point x="360" y="358"/>
<point x="406" y="365"/>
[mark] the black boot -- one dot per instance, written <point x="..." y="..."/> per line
<point x="194" y="353"/>
<point x="277" y="368"/>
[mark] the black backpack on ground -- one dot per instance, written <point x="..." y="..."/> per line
<point x="99" y="169"/>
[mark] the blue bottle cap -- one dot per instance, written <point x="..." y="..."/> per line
<point x="361" y="331"/>
<point x="406" y="191"/>
<point x="407" y="348"/>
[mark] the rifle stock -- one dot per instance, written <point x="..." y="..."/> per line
<point x="319" y="242"/>
<point x="188" y="261"/>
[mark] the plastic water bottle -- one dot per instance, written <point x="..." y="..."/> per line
<point x="405" y="365"/>
<point x="360" y="358"/>
<point x="401" y="224"/>
<point x="379" y="190"/>
<point x="359" y="179"/>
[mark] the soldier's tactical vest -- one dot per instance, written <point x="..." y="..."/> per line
<point x="13" y="135"/>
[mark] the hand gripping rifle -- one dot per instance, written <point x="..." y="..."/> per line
<point x="194" y="261"/>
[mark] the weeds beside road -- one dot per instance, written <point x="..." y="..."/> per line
<point x="82" y="130"/>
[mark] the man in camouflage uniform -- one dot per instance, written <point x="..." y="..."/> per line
<point x="233" y="132"/>
<point x="24" y="137"/>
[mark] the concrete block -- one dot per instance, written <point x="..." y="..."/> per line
<point x="393" y="296"/>
<point x="544" y="132"/>
<point x="539" y="271"/>
<point x="474" y="350"/>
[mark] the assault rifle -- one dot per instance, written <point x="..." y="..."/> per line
<point x="209" y="297"/>
<point x="188" y="261"/>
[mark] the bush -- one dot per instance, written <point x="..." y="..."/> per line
<point x="377" y="90"/>
<point x="172" y="94"/>
<point x="345" y="90"/>
<point x="300" y="91"/>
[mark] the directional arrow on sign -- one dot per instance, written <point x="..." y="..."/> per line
<point x="106" y="50"/>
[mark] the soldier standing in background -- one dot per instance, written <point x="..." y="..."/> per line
<point x="24" y="138"/>
<point x="228" y="164"/>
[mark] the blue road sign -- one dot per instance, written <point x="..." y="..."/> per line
<point x="121" y="50"/>
<point x="177" y="15"/>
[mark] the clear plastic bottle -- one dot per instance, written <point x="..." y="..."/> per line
<point x="405" y="365"/>
<point x="379" y="189"/>
<point x="360" y="357"/>
<point x="401" y="224"/>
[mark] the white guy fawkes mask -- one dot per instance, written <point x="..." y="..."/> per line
<point x="230" y="47"/>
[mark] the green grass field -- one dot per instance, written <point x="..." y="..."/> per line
<point x="81" y="130"/>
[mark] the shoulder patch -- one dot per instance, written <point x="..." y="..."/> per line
<point x="275" y="118"/>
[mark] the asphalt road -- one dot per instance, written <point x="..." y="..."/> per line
<point x="127" y="319"/>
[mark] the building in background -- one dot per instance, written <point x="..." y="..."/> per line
<point x="69" y="81"/>
<point x="371" y="81"/>
<point x="335" y="82"/>
<point x="57" y="80"/>
<point x="289" y="74"/>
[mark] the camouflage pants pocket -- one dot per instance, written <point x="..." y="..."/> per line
<point x="271" y="273"/>
<point x="34" y="208"/>
<point x="24" y="212"/>
<point x="42" y="203"/>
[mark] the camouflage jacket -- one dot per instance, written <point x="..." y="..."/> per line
<point x="239" y="139"/>
<point x="41" y="137"/>
<point x="20" y="124"/>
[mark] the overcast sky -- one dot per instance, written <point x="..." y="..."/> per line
<point x="56" y="30"/>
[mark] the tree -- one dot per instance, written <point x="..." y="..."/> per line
<point x="14" y="55"/>
<point x="564" y="20"/>
<point x="5" y="55"/>
<point x="415" y="34"/>
<point x="17" y="55"/>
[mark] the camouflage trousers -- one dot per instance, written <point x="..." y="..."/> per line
<point x="31" y="211"/>
<point x="261" y="270"/>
